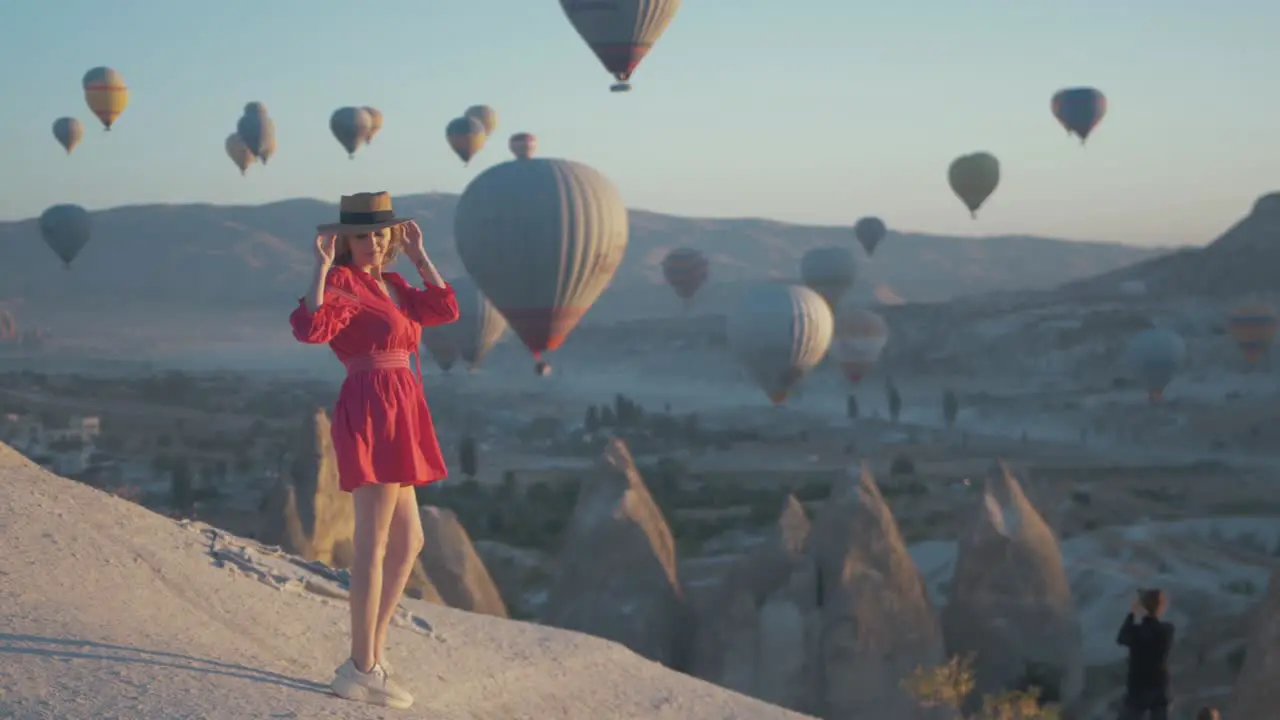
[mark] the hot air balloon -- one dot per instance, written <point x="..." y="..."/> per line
<point x="487" y="116"/>
<point x="479" y="327"/>
<point x="620" y="32"/>
<point x="973" y="178"/>
<point x="542" y="239"/>
<point x="1253" y="327"/>
<point x="66" y="229"/>
<point x="1155" y="355"/>
<point x="106" y="94"/>
<point x="685" y="270"/>
<point x="375" y="117"/>
<point x="466" y="136"/>
<point x="258" y="131"/>
<point x="239" y="152"/>
<point x="870" y="231"/>
<point x="439" y="344"/>
<point x="68" y="131"/>
<point x="1079" y="110"/>
<point x="830" y="271"/>
<point x="859" y="338"/>
<point x="779" y="333"/>
<point x="351" y="126"/>
<point x="523" y="145"/>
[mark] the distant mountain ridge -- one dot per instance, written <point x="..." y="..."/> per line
<point x="231" y="260"/>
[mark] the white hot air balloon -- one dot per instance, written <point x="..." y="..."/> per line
<point x="479" y="326"/>
<point x="860" y="337"/>
<point x="542" y="238"/>
<point x="779" y="333"/>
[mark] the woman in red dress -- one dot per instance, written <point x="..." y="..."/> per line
<point x="382" y="432"/>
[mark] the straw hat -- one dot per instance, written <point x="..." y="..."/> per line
<point x="362" y="213"/>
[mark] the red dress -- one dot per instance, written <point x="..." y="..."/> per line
<point x="382" y="430"/>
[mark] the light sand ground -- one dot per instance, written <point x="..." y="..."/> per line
<point x="110" y="611"/>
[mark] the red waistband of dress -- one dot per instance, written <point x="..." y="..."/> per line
<point x="378" y="360"/>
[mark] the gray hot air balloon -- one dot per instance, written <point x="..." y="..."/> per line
<point x="479" y="327"/>
<point x="620" y="32"/>
<point x="258" y="131"/>
<point x="1155" y="355"/>
<point x="238" y="152"/>
<point x="779" y="333"/>
<point x="66" y="229"/>
<point x="352" y="126"/>
<point x="68" y="131"/>
<point x="440" y="345"/>
<point x="487" y="116"/>
<point x="829" y="270"/>
<point x="870" y="231"/>
<point x="542" y="238"/>
<point x="973" y="178"/>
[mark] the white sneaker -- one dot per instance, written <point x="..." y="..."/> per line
<point x="374" y="687"/>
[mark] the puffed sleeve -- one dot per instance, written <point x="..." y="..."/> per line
<point x="340" y="305"/>
<point x="429" y="306"/>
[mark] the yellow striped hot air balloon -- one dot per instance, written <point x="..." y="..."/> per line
<point x="1253" y="326"/>
<point x="106" y="94"/>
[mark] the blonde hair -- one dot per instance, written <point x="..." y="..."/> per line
<point x="342" y="247"/>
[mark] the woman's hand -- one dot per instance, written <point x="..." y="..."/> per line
<point x="325" y="249"/>
<point x="412" y="242"/>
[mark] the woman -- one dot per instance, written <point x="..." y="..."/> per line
<point x="382" y="432"/>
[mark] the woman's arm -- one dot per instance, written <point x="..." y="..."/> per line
<point x="315" y="297"/>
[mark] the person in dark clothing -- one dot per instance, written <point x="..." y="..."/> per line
<point x="1150" y="641"/>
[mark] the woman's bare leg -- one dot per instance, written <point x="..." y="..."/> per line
<point x="375" y="505"/>
<point x="404" y="542"/>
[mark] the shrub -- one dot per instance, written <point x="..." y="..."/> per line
<point x="902" y="465"/>
<point x="949" y="685"/>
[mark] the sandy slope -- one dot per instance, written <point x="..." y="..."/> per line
<point x="110" y="611"/>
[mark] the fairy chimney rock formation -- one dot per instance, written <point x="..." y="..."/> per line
<point x="877" y="624"/>
<point x="1257" y="694"/>
<point x="305" y="512"/>
<point x="453" y="566"/>
<point x="755" y="638"/>
<point x="616" y="577"/>
<point x="1009" y="599"/>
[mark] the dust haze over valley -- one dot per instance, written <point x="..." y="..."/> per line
<point x="166" y="375"/>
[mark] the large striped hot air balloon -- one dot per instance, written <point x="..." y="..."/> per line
<point x="239" y="153"/>
<point x="479" y="326"/>
<point x="1079" y="110"/>
<point x="860" y="337"/>
<point x="685" y="270"/>
<point x="66" y="230"/>
<point x="1156" y="355"/>
<point x="1253" y="327"/>
<point x="106" y="94"/>
<point x="829" y="271"/>
<point x="779" y="333"/>
<point x="973" y="178"/>
<point x="542" y="239"/>
<point x="466" y="136"/>
<point x="440" y="346"/>
<point x="523" y="145"/>
<point x="620" y="32"/>
<point x="870" y="231"/>
<point x="487" y="116"/>
<point x="375" y="118"/>
<point x="351" y="126"/>
<point x="68" y="131"/>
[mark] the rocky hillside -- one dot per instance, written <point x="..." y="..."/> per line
<point x="111" y="610"/>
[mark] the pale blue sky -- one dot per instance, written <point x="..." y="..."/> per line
<point x="801" y="110"/>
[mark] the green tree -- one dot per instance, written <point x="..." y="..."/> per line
<point x="592" y="421"/>
<point x="895" y="400"/>
<point x="181" y="494"/>
<point x="950" y="407"/>
<point x="851" y="407"/>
